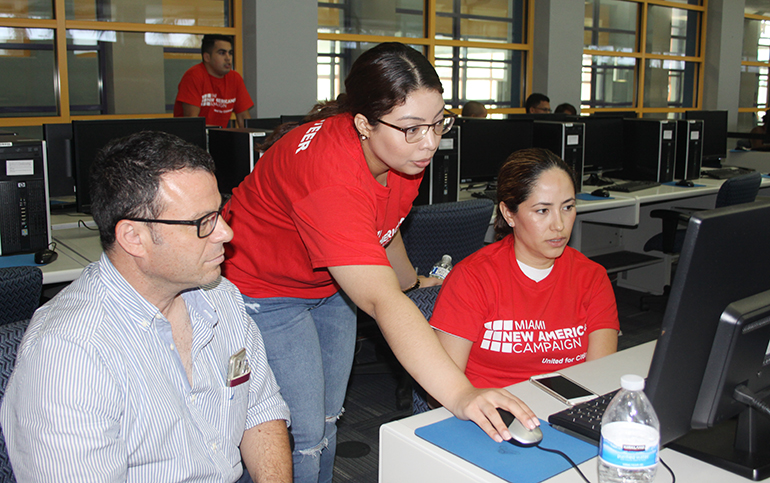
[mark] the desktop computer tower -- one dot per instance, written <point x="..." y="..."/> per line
<point x="649" y="147"/>
<point x="25" y="217"/>
<point x="234" y="151"/>
<point x="441" y="180"/>
<point x="689" y="149"/>
<point x="566" y="140"/>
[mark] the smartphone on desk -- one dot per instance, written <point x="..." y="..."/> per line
<point x="562" y="388"/>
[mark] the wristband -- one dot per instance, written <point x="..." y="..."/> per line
<point x="415" y="286"/>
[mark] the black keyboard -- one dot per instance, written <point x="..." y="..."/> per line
<point x="584" y="418"/>
<point x="725" y="173"/>
<point x="630" y="186"/>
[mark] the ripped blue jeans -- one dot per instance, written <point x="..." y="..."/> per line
<point x="310" y="345"/>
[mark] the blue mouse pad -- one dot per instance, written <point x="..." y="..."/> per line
<point x="590" y="197"/>
<point x="511" y="463"/>
<point x="23" y="260"/>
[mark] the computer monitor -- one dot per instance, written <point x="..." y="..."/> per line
<point x="738" y="363"/>
<point x="292" y="118"/>
<point x="263" y="122"/>
<point x="486" y="143"/>
<point x="620" y="114"/>
<point x="603" y="141"/>
<point x="714" y="145"/>
<point x="737" y="357"/>
<point x="88" y="137"/>
<point x="724" y="260"/>
<point x="58" y="148"/>
<point x="541" y="116"/>
<point x="272" y="122"/>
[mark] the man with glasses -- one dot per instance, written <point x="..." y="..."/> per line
<point x="147" y="367"/>
<point x="538" y="104"/>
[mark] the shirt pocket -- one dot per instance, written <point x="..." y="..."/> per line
<point x="235" y="406"/>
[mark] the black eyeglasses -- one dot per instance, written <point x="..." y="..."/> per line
<point x="205" y="224"/>
<point x="415" y="134"/>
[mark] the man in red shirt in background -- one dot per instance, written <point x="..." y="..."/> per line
<point x="212" y="89"/>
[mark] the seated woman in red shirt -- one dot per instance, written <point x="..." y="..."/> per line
<point x="527" y="304"/>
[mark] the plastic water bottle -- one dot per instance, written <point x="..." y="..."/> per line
<point x="442" y="268"/>
<point x="628" y="451"/>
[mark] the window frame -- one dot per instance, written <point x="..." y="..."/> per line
<point x="59" y="24"/>
<point x="642" y="57"/>
<point x="430" y="42"/>
<point x="757" y="111"/>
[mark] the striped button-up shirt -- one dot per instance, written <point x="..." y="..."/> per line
<point x="99" y="392"/>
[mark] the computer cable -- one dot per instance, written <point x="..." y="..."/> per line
<point x="746" y="396"/>
<point x="563" y="455"/>
<point x="83" y="224"/>
<point x="673" y="476"/>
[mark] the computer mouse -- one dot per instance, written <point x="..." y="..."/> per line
<point x="45" y="256"/>
<point x="686" y="183"/>
<point x="520" y="436"/>
<point x="601" y="192"/>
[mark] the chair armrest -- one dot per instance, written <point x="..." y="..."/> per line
<point x="670" y="220"/>
<point x="676" y="215"/>
<point x="686" y="210"/>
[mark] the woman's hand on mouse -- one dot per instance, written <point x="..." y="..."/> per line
<point x="480" y="406"/>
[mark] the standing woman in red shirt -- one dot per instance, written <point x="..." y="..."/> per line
<point x="317" y="233"/>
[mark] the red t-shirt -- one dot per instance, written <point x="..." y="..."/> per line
<point x="311" y="203"/>
<point x="519" y="327"/>
<point x="217" y="97"/>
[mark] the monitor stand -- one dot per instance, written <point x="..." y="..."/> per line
<point x="740" y="445"/>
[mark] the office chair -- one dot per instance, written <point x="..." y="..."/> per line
<point x="740" y="189"/>
<point x="20" y="289"/>
<point x="386" y="362"/>
<point x="424" y="299"/>
<point x="10" y="338"/>
<point x="456" y="228"/>
<point x="429" y="232"/>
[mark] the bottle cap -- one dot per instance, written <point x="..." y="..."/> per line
<point x="632" y="382"/>
<point x="446" y="259"/>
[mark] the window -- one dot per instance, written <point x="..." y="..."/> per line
<point x="641" y="55"/>
<point x="480" y="49"/>
<point x="107" y="57"/>
<point x="29" y="54"/>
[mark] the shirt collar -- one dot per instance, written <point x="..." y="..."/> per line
<point x="124" y="297"/>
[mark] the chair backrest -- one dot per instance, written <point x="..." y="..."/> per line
<point x="20" y="289"/>
<point x="740" y="189"/>
<point x="456" y="228"/>
<point x="424" y="298"/>
<point x="10" y="338"/>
